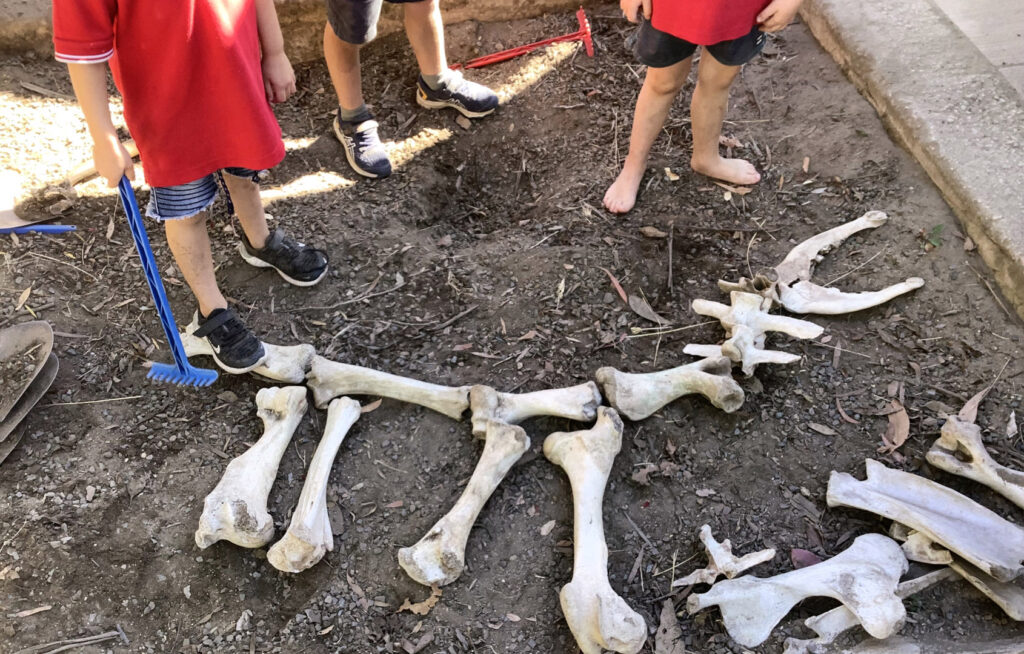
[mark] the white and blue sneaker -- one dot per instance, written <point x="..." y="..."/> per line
<point x="470" y="99"/>
<point x="363" y="149"/>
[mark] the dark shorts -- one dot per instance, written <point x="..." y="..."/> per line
<point x="355" y="21"/>
<point x="659" y="49"/>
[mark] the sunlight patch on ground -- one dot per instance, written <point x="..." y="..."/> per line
<point x="536" y="66"/>
<point x="402" y="152"/>
<point x="291" y="145"/>
<point x="314" y="183"/>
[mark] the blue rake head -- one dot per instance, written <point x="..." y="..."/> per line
<point x="190" y="376"/>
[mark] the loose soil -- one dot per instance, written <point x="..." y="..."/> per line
<point x="481" y="261"/>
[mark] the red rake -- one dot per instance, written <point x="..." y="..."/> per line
<point x="583" y="34"/>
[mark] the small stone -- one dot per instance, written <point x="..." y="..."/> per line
<point x="90" y="492"/>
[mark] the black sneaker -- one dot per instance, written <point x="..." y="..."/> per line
<point x="298" y="263"/>
<point x="363" y="149"/>
<point x="472" y="100"/>
<point x="235" y="348"/>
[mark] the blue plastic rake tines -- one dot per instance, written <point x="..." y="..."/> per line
<point x="181" y="372"/>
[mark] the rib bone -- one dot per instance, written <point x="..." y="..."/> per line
<point x="283" y="363"/>
<point x="808" y="297"/>
<point x="960" y="450"/>
<point x="575" y="403"/>
<point x="309" y="534"/>
<point x="863" y="577"/>
<point x="330" y="379"/>
<point x="721" y="561"/>
<point x="639" y="395"/>
<point x="439" y="557"/>
<point x="598" y="617"/>
<point x="799" y="263"/>
<point x="236" y="510"/>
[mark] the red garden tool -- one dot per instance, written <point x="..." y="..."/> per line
<point x="582" y="34"/>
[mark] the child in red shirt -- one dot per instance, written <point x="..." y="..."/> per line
<point x="731" y="33"/>
<point x="197" y="78"/>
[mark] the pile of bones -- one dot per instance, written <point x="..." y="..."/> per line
<point x="936" y="524"/>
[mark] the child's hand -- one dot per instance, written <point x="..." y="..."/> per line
<point x="112" y="161"/>
<point x="631" y="9"/>
<point x="278" y="77"/>
<point x="777" y="15"/>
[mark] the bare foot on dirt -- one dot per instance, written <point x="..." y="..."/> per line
<point x="734" y="171"/>
<point x="621" y="195"/>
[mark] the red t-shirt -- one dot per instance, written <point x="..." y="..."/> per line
<point x="190" y="75"/>
<point x="706" y="22"/>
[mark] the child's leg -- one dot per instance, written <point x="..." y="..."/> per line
<point x="245" y="195"/>
<point x="425" y="30"/>
<point x="190" y="246"/>
<point x="343" y="64"/>
<point x="707" y="111"/>
<point x="661" y="86"/>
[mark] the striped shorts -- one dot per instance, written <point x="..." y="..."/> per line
<point x="193" y="198"/>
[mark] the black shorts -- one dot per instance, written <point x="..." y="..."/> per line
<point x="355" y="21"/>
<point x="659" y="49"/>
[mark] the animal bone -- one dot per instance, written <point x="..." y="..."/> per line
<point x="597" y="616"/>
<point x="639" y="395"/>
<point x="864" y="578"/>
<point x="751" y="357"/>
<point x="960" y="450"/>
<point x="440" y="556"/>
<point x="761" y="285"/>
<point x="922" y="549"/>
<point x="943" y="515"/>
<point x="899" y="646"/>
<point x="309" y="534"/>
<point x="283" y="363"/>
<point x="799" y="263"/>
<point x="575" y="403"/>
<point x="236" y="510"/>
<point x="330" y="379"/>
<point x="721" y="561"/>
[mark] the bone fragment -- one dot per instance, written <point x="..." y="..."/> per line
<point x="900" y="646"/>
<point x="309" y="534"/>
<point x="799" y="263"/>
<point x="597" y="616"/>
<point x="721" y="561"/>
<point x="575" y="403"/>
<point x="236" y="510"/>
<point x="941" y="514"/>
<point x="637" y="396"/>
<point x="760" y="284"/>
<point x="440" y="556"/>
<point x="283" y="363"/>
<point x="921" y="549"/>
<point x="808" y="297"/>
<point x="1009" y="596"/>
<point x="864" y="578"/>
<point x="960" y="450"/>
<point x="329" y="379"/>
<point x="751" y="357"/>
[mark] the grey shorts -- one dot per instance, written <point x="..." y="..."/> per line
<point x="355" y="21"/>
<point x="193" y="198"/>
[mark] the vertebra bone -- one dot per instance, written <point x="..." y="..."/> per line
<point x="864" y="578"/>
<point x="596" y="615"/>
<point x="236" y="510"/>
<point x="309" y="534"/>
<point x="751" y="357"/>
<point x="330" y="379"/>
<point x="637" y="396"/>
<point x="960" y="450"/>
<point x="283" y="363"/>
<point x="575" y="403"/>
<point x="721" y="561"/>
<point x="439" y="557"/>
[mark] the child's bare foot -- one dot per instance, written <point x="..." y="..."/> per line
<point x="621" y="195"/>
<point x="734" y="171"/>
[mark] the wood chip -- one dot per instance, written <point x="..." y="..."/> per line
<point x="824" y="430"/>
<point x="422" y="608"/>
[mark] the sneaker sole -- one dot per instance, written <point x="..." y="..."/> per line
<point x="237" y="371"/>
<point x="440" y="104"/>
<point x="350" y="156"/>
<point x="260" y="263"/>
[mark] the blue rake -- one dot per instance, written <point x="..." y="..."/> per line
<point x="180" y="372"/>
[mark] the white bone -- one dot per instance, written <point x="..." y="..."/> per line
<point x="751" y="357"/>
<point x="799" y="263"/>
<point x="597" y="616"/>
<point x="309" y="534"/>
<point x="1009" y="596"/>
<point x="329" y="379"/>
<point x="575" y="403"/>
<point x="864" y="578"/>
<point x="960" y="450"/>
<point x="921" y="549"/>
<point x="637" y="396"/>
<point x="283" y="363"/>
<point x="760" y="285"/>
<point x="900" y="646"/>
<point x="808" y="297"/>
<point x="236" y="510"/>
<point x="721" y="561"/>
<point x="950" y="519"/>
<point x="440" y="556"/>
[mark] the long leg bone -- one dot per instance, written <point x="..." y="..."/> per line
<point x="943" y="515"/>
<point x="330" y="379"/>
<point x="284" y="363"/>
<point x="236" y="510"/>
<point x="309" y="534"/>
<point x="440" y="556"/>
<point x="808" y="297"/>
<point x="598" y="617"/>
<point x="799" y="263"/>
<point x="637" y="396"/>
<point x="863" y="577"/>
<point x="960" y="450"/>
<point x="575" y="403"/>
<point x="721" y="561"/>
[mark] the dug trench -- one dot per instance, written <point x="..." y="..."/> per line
<point x="482" y="260"/>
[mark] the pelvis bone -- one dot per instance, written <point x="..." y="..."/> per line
<point x="283" y="363"/>
<point x="960" y="450"/>
<point x="721" y="561"/>
<point x="598" y="617"/>
<point x="863" y="577"/>
<point x="309" y="535"/>
<point x="236" y="510"/>
<point x="637" y="396"/>
<point x="575" y="403"/>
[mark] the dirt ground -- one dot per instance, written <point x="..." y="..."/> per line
<point x="480" y="261"/>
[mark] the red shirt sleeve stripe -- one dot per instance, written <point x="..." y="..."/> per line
<point x="83" y="30"/>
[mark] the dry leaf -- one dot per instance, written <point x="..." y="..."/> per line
<point x="738" y="190"/>
<point x="898" y="429"/>
<point x="730" y="141"/>
<point x="969" y="413"/>
<point x="372" y="406"/>
<point x="803" y="558"/>
<point x="842" y="414"/>
<point x="560" y="292"/>
<point x="528" y="335"/>
<point x="652" y="232"/>
<point x="644" y="310"/>
<point x="512" y="617"/>
<point x="422" y="608"/>
<point x="9" y="574"/>
<point x="671" y="176"/>
<point x="617" y="285"/>
<point x="548" y="526"/>
<point x="969" y="245"/>
<point x="669" y="637"/>
<point x="807" y="164"/>
<point x="397" y="504"/>
<point x="110" y="228"/>
<point x="705" y="492"/>
<point x="23" y="298"/>
<point x="1011" y="425"/>
<point x="642" y="475"/>
<point x="822" y="429"/>
<point x="462" y="347"/>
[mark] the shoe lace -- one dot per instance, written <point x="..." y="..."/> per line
<point x="232" y="332"/>
<point x="302" y="255"/>
<point x="366" y="138"/>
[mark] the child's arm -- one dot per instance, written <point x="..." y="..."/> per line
<point x="631" y="9"/>
<point x="109" y="156"/>
<point x="777" y="15"/>
<point x="278" y="76"/>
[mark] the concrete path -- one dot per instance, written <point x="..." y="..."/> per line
<point x="996" y="27"/>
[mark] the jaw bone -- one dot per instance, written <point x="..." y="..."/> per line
<point x="950" y="519"/>
<point x="439" y="557"/>
<point x="309" y="534"/>
<point x="864" y="578"/>
<point x="799" y="263"/>
<point x="284" y="363"/>
<point x="597" y="616"/>
<point x="960" y="450"/>
<point x="721" y="561"/>
<point x="577" y="403"/>
<point x="330" y="379"/>
<point x="637" y="396"/>
<point x="236" y="510"/>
